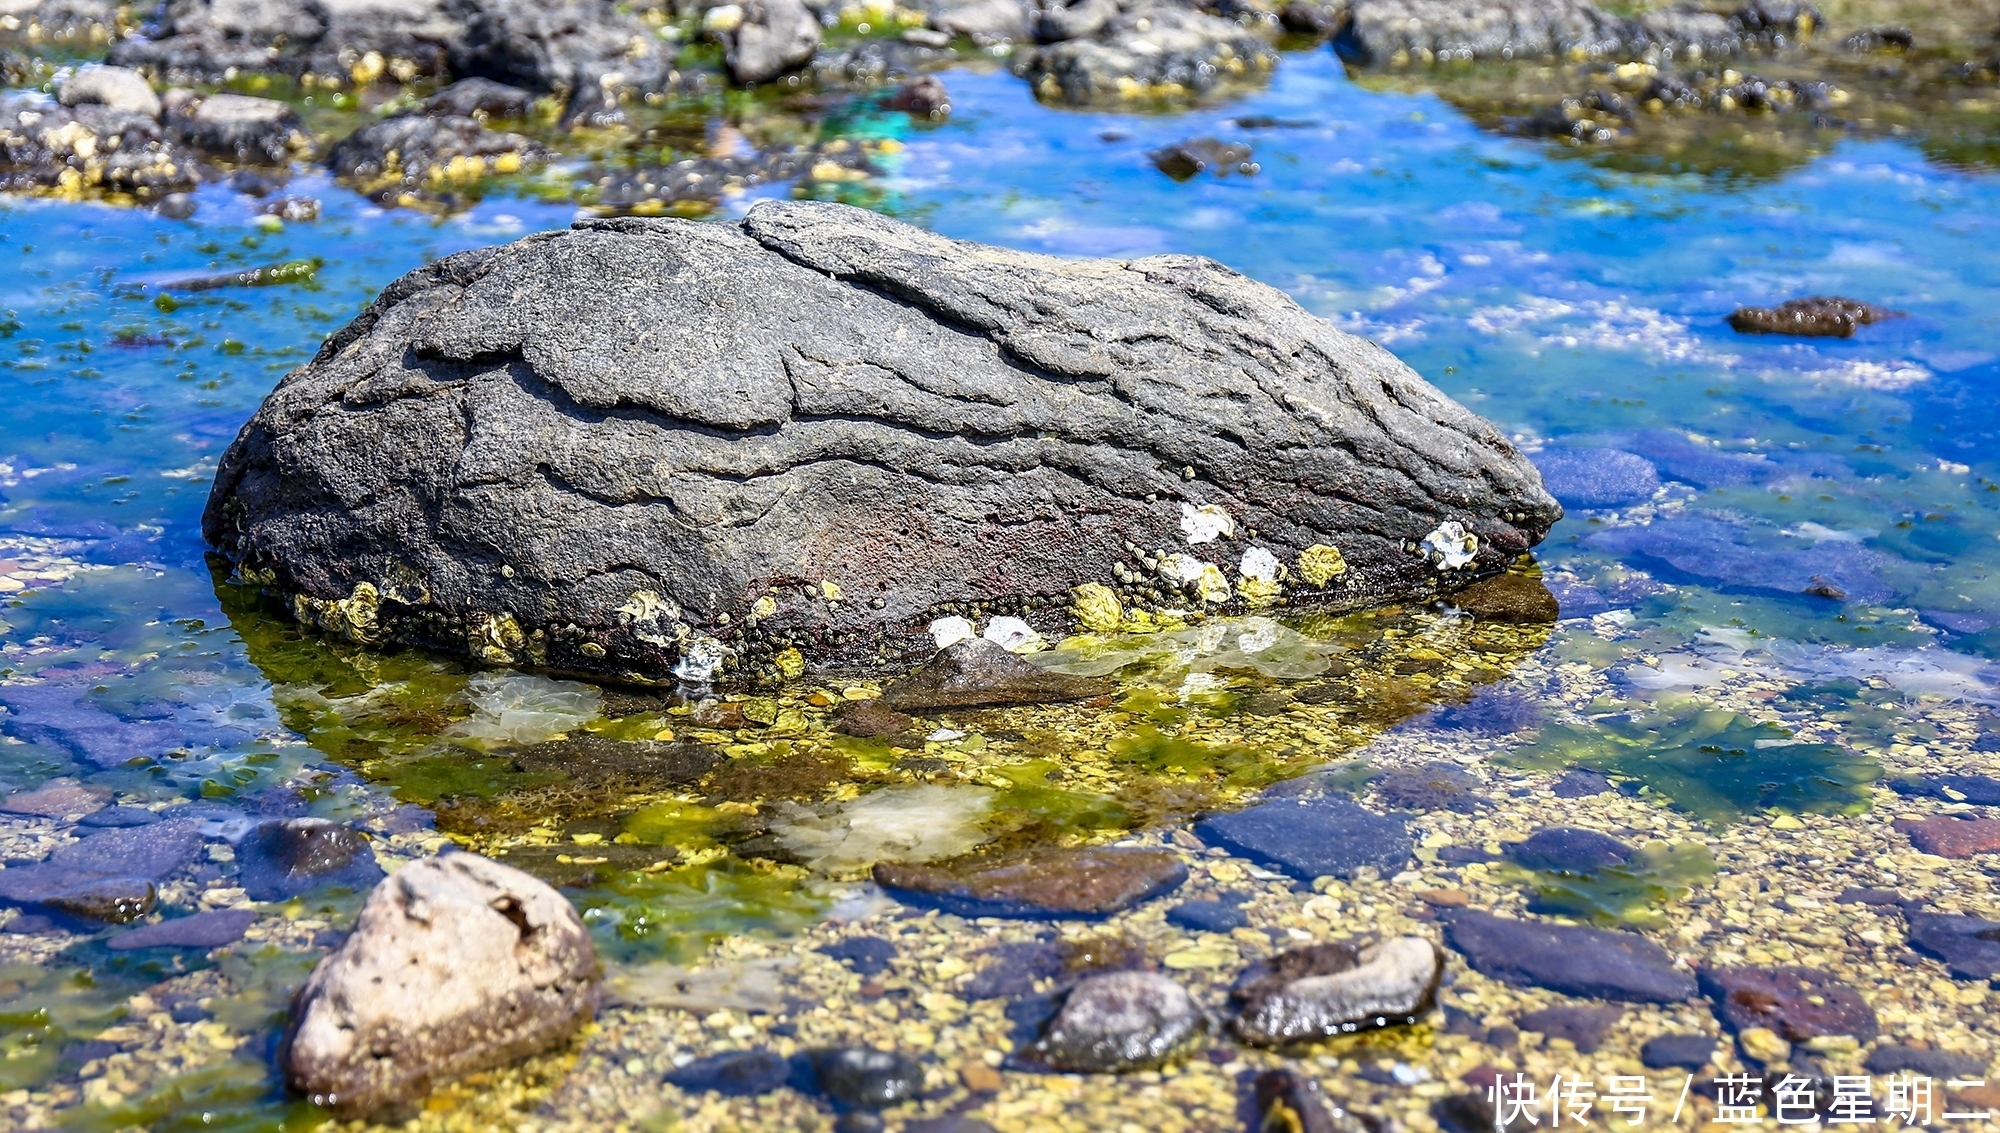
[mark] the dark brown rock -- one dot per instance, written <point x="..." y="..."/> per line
<point x="57" y="798"/>
<point x="1797" y="1003"/>
<point x="1039" y="882"/>
<point x="1583" y="1026"/>
<point x="1183" y="161"/>
<point x="1820" y="316"/>
<point x="1949" y="837"/>
<point x="871" y="719"/>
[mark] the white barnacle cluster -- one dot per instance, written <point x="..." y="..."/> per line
<point x="1450" y="546"/>
<point x="657" y="621"/>
<point x="1008" y="632"/>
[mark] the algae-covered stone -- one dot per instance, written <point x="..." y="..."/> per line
<point x="517" y="445"/>
<point x="1047" y="881"/>
<point x="1117" y="1022"/>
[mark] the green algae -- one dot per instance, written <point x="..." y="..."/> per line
<point x="1714" y="764"/>
<point x="238" y="1095"/>
<point x="1032" y="808"/>
<point x="676" y="914"/>
<point x="1634" y="895"/>
<point x="679" y="825"/>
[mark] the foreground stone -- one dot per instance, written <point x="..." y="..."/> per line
<point x="1119" y="1022"/>
<point x="1335" y="989"/>
<point x="1040" y="882"/>
<point x="1796" y="1003"/>
<point x="653" y="447"/>
<point x="457" y="964"/>
<point x="1579" y="961"/>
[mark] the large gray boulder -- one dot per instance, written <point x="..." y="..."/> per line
<point x="1399" y="32"/>
<point x="457" y="964"/>
<point x="649" y="445"/>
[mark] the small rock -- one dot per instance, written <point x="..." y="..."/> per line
<point x="151" y="851"/>
<point x="119" y="88"/>
<point x="29" y="924"/>
<point x="1980" y="790"/>
<point x="774" y="37"/>
<point x="922" y="97"/>
<point x="1290" y="1102"/>
<point x="457" y="964"/>
<point x="1820" y="316"/>
<point x="1510" y="598"/>
<point x="1444" y="898"/>
<point x="1871" y="897"/>
<point x="869" y="1079"/>
<point x="119" y="817"/>
<point x="1683" y="1052"/>
<point x="1597" y="477"/>
<point x="235" y="127"/>
<point x="1206" y="916"/>
<point x="1580" y="784"/>
<point x="286" y="858"/>
<point x="478" y="98"/>
<point x="211" y="929"/>
<point x="57" y="798"/>
<point x="1491" y="712"/>
<point x="736" y="1074"/>
<point x="1764" y="1045"/>
<point x="1383" y="984"/>
<point x="1568" y="849"/>
<point x="871" y="719"/>
<point x="1584" y="962"/>
<point x="1796" y="1004"/>
<point x="112" y="900"/>
<point x="1942" y="1065"/>
<point x="1585" y="1027"/>
<point x="978" y="673"/>
<point x="1046" y="881"/>
<point x="1970" y="947"/>
<point x="1433" y="786"/>
<point x="1311" y="838"/>
<point x="866" y="955"/>
<point x="1949" y="837"/>
<point x="1119" y="1022"/>
<point x="1183" y="161"/>
<point x="177" y="206"/>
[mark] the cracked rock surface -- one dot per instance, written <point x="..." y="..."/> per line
<point x="654" y="446"/>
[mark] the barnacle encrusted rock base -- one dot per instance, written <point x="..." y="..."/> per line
<point x="654" y="447"/>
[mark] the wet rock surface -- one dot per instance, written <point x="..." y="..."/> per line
<point x="1039" y="882"/>
<point x="57" y="798"/>
<point x="1206" y="916"/>
<point x="1291" y="1102"/>
<point x="1148" y="51"/>
<point x="1571" y="959"/>
<point x="211" y="929"/>
<point x="412" y="154"/>
<point x="284" y="859"/>
<point x="457" y="964"/>
<point x="92" y="147"/>
<point x="868" y="1079"/>
<point x="371" y="411"/>
<point x="1683" y="1052"/>
<point x="1821" y="316"/>
<point x="1119" y="1022"/>
<point x="1969" y="946"/>
<point x="1334" y="989"/>
<point x="1949" y="837"/>
<point x="1796" y="1003"/>
<point x="979" y="673"/>
<point x="1567" y="849"/>
<point x="1310" y="838"/>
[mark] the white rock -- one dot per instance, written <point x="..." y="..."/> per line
<point x="722" y="18"/>
<point x="119" y="88"/>
<point x="950" y="631"/>
<point x="457" y="964"/>
<point x="1205" y="524"/>
<point x="1013" y="635"/>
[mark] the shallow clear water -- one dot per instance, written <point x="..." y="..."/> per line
<point x="1571" y="303"/>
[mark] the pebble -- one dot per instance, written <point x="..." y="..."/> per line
<point x="865" y="1078"/>
<point x="1582" y="1026"/>
<point x="1949" y="837"/>
<point x="1118" y="1022"/>
<point x="979" y="673"/>
<point x="736" y="1073"/>
<point x="1043" y="881"/>
<point x="211" y="929"/>
<point x="1574" y="960"/>
<point x="1206" y="916"/>
<point x="1969" y="946"/>
<point x="1311" y="838"/>
<point x="1337" y="990"/>
<point x="1795" y="1003"/>
<point x="1683" y="1052"/>
<point x="1569" y="849"/>
<point x="1943" y="1065"/>
<point x="871" y="719"/>
<point x="1580" y="784"/>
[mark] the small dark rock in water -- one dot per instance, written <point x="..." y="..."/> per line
<point x="1820" y="316"/>
<point x="113" y="900"/>
<point x="922" y="97"/>
<point x="1310" y="838"/>
<point x="1336" y="990"/>
<point x="478" y="98"/>
<point x="1290" y="1102"/>
<point x="867" y="955"/>
<point x="1492" y="712"/>
<point x="599" y="761"/>
<point x="871" y="719"/>
<point x="1118" y="1022"/>
<point x="977" y="673"/>
<point x="1982" y="790"/>
<point x="211" y="929"/>
<point x="1943" y="1065"/>
<point x="1682" y="1052"/>
<point x="1583" y="1026"/>
<point x="1861" y="896"/>
<point x="1879" y="39"/>
<point x="1584" y="962"/>
<point x="1464" y="1113"/>
<point x="1970" y="947"/>
<point x="1567" y="849"/>
<point x="1183" y="161"/>
<point x="177" y="206"/>
<point x="737" y="1074"/>
<point x="1433" y="786"/>
<point x="867" y="1079"/>
<point x="118" y="817"/>
<point x="1206" y="916"/>
<point x="1580" y="783"/>
<point x="234" y="127"/>
<point x="1797" y="1003"/>
<point x="1013" y="969"/>
<point x="1510" y="598"/>
<point x="151" y="851"/>
<point x="1463" y="855"/>
<point x="1044" y="881"/>
<point x="286" y="858"/>
<point x="948" y="1124"/>
<point x="1310" y="17"/>
<point x="1597" y="477"/>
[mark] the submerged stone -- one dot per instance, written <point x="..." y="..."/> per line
<point x="979" y="673"/>
<point x="1338" y="991"/>
<point x="1969" y="946"/>
<point x="672" y="545"/>
<point x="211" y="929"/>
<point x="736" y="1074"/>
<point x="1047" y="881"/>
<point x="1585" y="962"/>
<point x="1949" y="837"/>
<point x="1183" y="161"/>
<point x="1597" y="477"/>
<point x="600" y="762"/>
<point x="1929" y="1062"/>
<point x="286" y="858"/>
<point x="1289" y="1102"/>
<point x="1677" y="1052"/>
<point x="866" y="1078"/>
<point x="1795" y="1003"/>
<point x="1725" y="551"/>
<point x="867" y="955"/>
<point x="1119" y="1022"/>
<point x="1310" y="838"/>
<point x="120" y="816"/>
<point x="1580" y="783"/>
<point x="113" y="900"/>
<point x="1567" y="849"/>
<point x="1491" y="712"/>
<point x="57" y="798"/>
<point x="1582" y="1026"/>
<point x="1206" y="916"/>
<point x="1432" y="786"/>
<point x="1819" y="316"/>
